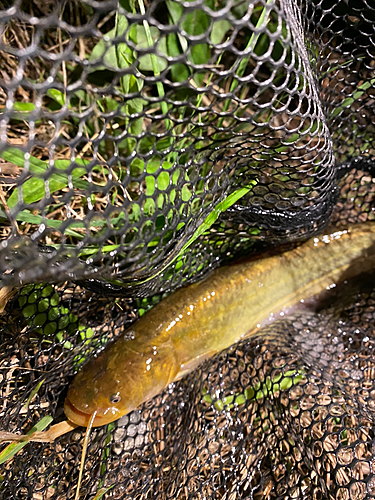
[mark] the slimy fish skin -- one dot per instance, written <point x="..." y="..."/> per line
<point x="202" y="319"/>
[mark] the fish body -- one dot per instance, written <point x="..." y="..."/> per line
<point x="202" y="319"/>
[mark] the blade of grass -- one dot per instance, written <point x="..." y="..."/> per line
<point x="175" y="11"/>
<point x="213" y="216"/>
<point x="106" y="450"/>
<point x="89" y="250"/>
<point x="346" y="103"/>
<point x="263" y="19"/>
<point x="155" y="64"/>
<point x="26" y="216"/>
<point x="203" y="227"/>
<point x="14" y="448"/>
<point x="102" y="492"/>
<point x="32" y="394"/>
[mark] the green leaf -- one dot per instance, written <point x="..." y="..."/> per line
<point x="239" y="8"/>
<point x="136" y="126"/>
<point x="92" y="250"/>
<point x="163" y="181"/>
<point x="109" y="52"/>
<point x="172" y="45"/>
<point x="152" y="165"/>
<point x="186" y="193"/>
<point x="21" y="110"/>
<point x="132" y="85"/>
<point x="128" y="5"/>
<point x="24" y="107"/>
<point x="219" y="30"/>
<point x="180" y="72"/>
<point x="200" y="54"/>
<point x="57" y="96"/>
<point x="145" y="61"/>
<point x="121" y="56"/>
<point x="102" y="492"/>
<point x="33" y="392"/>
<point x="34" y="189"/>
<point x="26" y="216"/>
<point x="196" y="23"/>
<point x="14" y="448"/>
<point x="136" y="105"/>
<point x="175" y="10"/>
<point x="150" y="185"/>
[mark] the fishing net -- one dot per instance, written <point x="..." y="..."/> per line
<point x="142" y="144"/>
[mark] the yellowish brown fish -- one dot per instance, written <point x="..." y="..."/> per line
<point x="202" y="319"/>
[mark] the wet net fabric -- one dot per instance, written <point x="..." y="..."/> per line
<point x="141" y="145"/>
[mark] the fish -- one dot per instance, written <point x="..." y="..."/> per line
<point x="202" y="319"/>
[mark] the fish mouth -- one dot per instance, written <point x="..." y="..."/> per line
<point x="79" y="417"/>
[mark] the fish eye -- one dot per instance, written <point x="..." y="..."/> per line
<point x="115" y="398"/>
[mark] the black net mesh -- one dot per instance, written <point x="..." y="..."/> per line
<point x="142" y="144"/>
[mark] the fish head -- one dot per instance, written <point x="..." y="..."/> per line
<point x="116" y="382"/>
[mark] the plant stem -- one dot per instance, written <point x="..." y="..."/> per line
<point x="155" y="64"/>
<point x="263" y="19"/>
